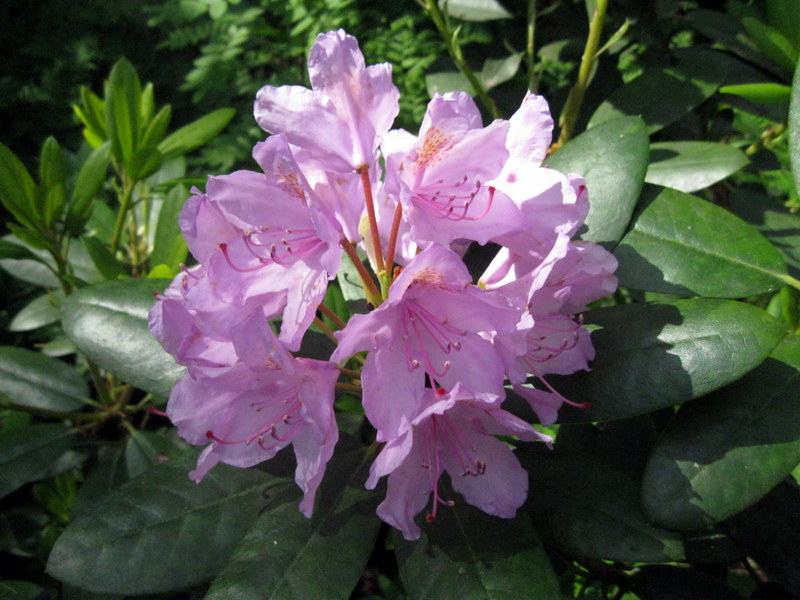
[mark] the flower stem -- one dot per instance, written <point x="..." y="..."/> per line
<point x="370" y="289"/>
<point x="449" y="36"/>
<point x="373" y="222"/>
<point x="325" y="329"/>
<point x="328" y="312"/>
<point x="386" y="277"/>
<point x="530" y="47"/>
<point x="124" y="207"/>
<point x="569" y="115"/>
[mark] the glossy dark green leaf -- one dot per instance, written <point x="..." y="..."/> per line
<point x="650" y="356"/>
<point x="582" y="505"/>
<point x="660" y="97"/>
<point x="108" y="323"/>
<point x="724" y="452"/>
<point x="794" y="128"/>
<point x="613" y="159"/>
<point x="42" y="311"/>
<point x="161" y="531"/>
<point x="123" y="110"/>
<point x="287" y="556"/>
<point x="196" y="133"/>
<point x="33" y="379"/>
<point x="143" y="449"/>
<point x="684" y="245"/>
<point x="475" y="10"/>
<point x="31" y="453"/>
<point x="466" y="553"/>
<point x="691" y="166"/>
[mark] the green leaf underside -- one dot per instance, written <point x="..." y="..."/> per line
<point x="108" y="322"/>
<point x="724" y="452"/>
<point x="692" y="166"/>
<point x="288" y="556"/>
<point x="161" y="531"/>
<point x="29" y="454"/>
<point x="650" y="356"/>
<point x="684" y="245"/>
<point x="33" y="379"/>
<point x="466" y="553"/>
<point x="612" y="158"/>
<point x="584" y="506"/>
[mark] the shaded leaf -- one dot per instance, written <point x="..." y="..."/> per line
<point x="33" y="379"/>
<point x="692" y="166"/>
<point x="612" y="157"/>
<point x="466" y="553"/>
<point x="681" y="244"/>
<point x="160" y="532"/>
<point x="650" y="356"/>
<point x="103" y="259"/>
<point x="286" y="555"/>
<point x="723" y="453"/>
<point x="169" y="247"/>
<point x="108" y="323"/>
<point x="667" y="582"/>
<point x="90" y="180"/>
<point x="582" y="505"/>
<point x="31" y="453"/>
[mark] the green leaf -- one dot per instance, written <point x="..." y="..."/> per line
<point x="650" y="356"/>
<point x="90" y="180"/>
<point x="20" y="590"/>
<point x="585" y="507"/>
<point x="33" y="379"/>
<point x="474" y="10"/>
<point x="160" y="532"/>
<point x="669" y="582"/>
<point x="785" y="17"/>
<point x="102" y="258"/>
<point x="794" y="128"/>
<point x="31" y="454"/>
<point x="52" y="180"/>
<point x="287" y="556"/>
<point x="692" y="166"/>
<point x="771" y="42"/>
<point x="659" y="97"/>
<point x="724" y="452"/>
<point x="169" y="247"/>
<point x="17" y="189"/>
<point x="33" y="270"/>
<point x="11" y="251"/>
<point x="195" y="134"/>
<point x="681" y="244"/>
<point x="466" y="553"/>
<point x="144" y="449"/>
<point x="612" y="157"/>
<point x="764" y="93"/>
<point x="92" y="113"/>
<point x="108" y="323"/>
<point x="493" y="73"/>
<point x="123" y="111"/>
<point x="157" y="128"/>
<point x="42" y="311"/>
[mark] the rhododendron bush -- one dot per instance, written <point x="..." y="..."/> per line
<point x="469" y="360"/>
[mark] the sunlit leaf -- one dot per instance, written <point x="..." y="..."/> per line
<point x="475" y="10"/>
<point x="692" y="166"/>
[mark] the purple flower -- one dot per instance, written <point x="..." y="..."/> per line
<point x="435" y="326"/>
<point x="340" y="121"/>
<point x="453" y="433"/>
<point x="266" y="400"/>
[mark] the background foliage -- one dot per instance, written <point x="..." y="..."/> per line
<point x="677" y="483"/>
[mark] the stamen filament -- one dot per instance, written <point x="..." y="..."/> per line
<point x="363" y="171"/>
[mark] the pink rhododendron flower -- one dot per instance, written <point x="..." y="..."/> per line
<point x="440" y="350"/>
<point x="433" y="327"/>
<point x="267" y="400"/>
<point x="453" y="433"/>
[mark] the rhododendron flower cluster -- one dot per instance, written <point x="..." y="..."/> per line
<point x="435" y="355"/>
